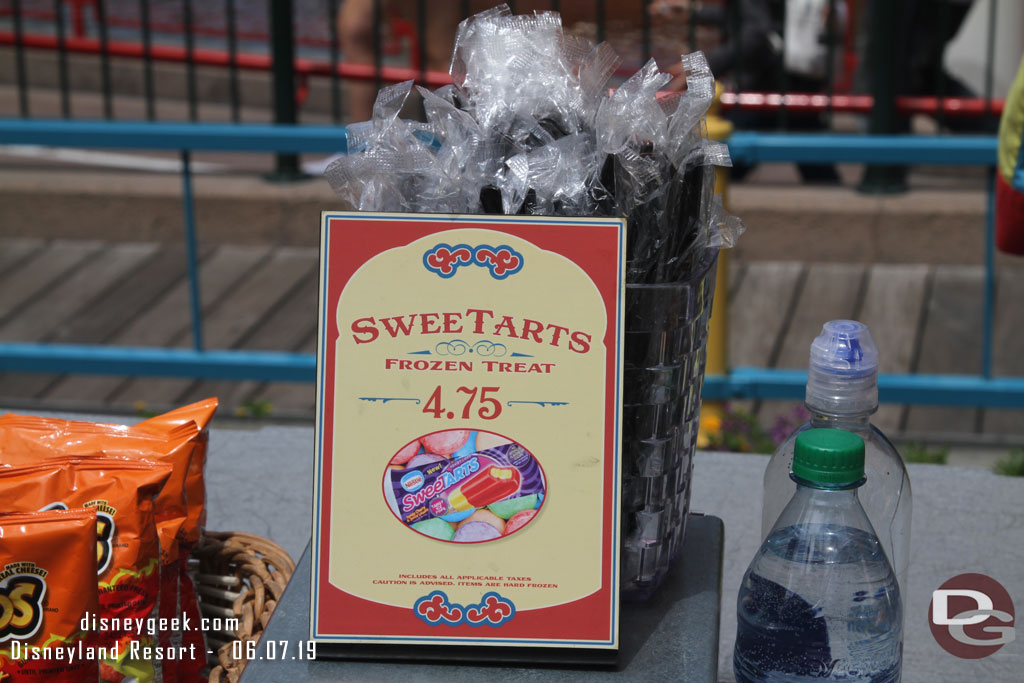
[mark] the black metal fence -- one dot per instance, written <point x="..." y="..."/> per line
<point x="884" y="48"/>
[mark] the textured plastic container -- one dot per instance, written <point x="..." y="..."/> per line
<point x="665" y="352"/>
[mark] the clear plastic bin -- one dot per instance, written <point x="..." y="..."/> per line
<point x="665" y="352"/>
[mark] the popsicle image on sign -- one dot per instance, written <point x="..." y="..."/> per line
<point x="487" y="486"/>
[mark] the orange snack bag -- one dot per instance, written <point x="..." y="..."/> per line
<point x="47" y="586"/>
<point x="177" y="438"/>
<point x="26" y="440"/>
<point x="121" y="493"/>
<point x="199" y="413"/>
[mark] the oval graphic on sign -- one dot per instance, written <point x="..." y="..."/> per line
<point x="464" y="486"/>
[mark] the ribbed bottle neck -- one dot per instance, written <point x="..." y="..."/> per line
<point x="859" y="422"/>
<point x="839" y="495"/>
<point x="812" y="505"/>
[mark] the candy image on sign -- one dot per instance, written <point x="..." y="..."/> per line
<point x="464" y="486"/>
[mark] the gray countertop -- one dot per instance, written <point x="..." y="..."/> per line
<point x="965" y="520"/>
<point x="671" y="638"/>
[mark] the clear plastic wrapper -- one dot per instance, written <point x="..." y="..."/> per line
<point x="530" y="126"/>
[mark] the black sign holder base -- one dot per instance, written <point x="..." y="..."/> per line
<point x="672" y="636"/>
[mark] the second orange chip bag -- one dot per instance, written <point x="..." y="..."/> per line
<point x="128" y="553"/>
<point x="200" y="412"/>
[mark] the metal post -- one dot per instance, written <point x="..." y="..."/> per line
<point x="421" y="41"/>
<point x="282" y="45"/>
<point x="884" y="117"/>
<point x="335" y="51"/>
<point x="188" y="24"/>
<point x="691" y="31"/>
<point x="191" y="250"/>
<point x="940" y="72"/>
<point x="990" y="60"/>
<point x="62" y="60"/>
<point x="19" y="60"/>
<point x="831" y="38"/>
<point x="645" y="30"/>
<point x="990" y="276"/>
<point x="378" y="45"/>
<point x="235" y="95"/>
<point x="736" y="30"/>
<point x="106" y="80"/>
<point x="147" y="60"/>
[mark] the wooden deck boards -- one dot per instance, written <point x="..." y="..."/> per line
<point x="951" y="342"/>
<point x="284" y="329"/>
<point x="758" y="314"/>
<point x="830" y="291"/>
<point x="51" y="315"/>
<point x="18" y="251"/>
<point x="291" y="398"/>
<point x="1007" y="347"/>
<point x="228" y="320"/>
<point x="893" y="307"/>
<point x="87" y="292"/>
<point x="30" y="277"/>
<point x="165" y="323"/>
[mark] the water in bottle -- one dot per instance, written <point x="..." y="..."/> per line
<point x="820" y="601"/>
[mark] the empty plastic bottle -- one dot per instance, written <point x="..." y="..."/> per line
<point x="820" y="601"/>
<point x="842" y="393"/>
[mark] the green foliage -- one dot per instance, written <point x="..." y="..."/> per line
<point x="142" y="410"/>
<point x="1012" y="465"/>
<point x="920" y="453"/>
<point x="254" y="408"/>
<point x="740" y="432"/>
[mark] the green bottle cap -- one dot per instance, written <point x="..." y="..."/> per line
<point x="829" y="457"/>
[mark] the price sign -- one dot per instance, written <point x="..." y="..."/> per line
<point x="467" y="472"/>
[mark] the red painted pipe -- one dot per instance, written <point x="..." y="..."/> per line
<point x="79" y="25"/>
<point x="796" y="102"/>
<point x="207" y="57"/>
<point x="861" y="104"/>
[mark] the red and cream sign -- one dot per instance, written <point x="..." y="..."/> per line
<point x="469" y="376"/>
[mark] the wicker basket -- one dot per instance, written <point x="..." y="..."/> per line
<point x="239" y="576"/>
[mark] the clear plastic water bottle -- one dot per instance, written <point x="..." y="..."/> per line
<point x="820" y="601"/>
<point x="842" y="393"/>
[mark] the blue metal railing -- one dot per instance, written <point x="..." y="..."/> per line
<point x="746" y="147"/>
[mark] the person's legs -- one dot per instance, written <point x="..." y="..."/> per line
<point x="356" y="35"/>
<point x="442" y="21"/>
<point x="821" y="174"/>
<point x="744" y="119"/>
<point x="811" y="122"/>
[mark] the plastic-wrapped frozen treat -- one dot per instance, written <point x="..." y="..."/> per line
<point x="531" y="125"/>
